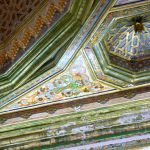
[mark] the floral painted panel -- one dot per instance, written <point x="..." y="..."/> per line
<point x="76" y="81"/>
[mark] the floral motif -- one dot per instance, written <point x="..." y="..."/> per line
<point x="66" y="86"/>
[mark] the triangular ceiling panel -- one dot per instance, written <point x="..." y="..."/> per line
<point x="76" y="81"/>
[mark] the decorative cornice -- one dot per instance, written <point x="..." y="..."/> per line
<point x="100" y="124"/>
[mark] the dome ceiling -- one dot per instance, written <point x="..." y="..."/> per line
<point x="123" y="44"/>
<point x="69" y="88"/>
<point x="127" y="42"/>
<point x="124" y="41"/>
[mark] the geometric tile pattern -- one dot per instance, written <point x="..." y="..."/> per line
<point x="123" y="41"/>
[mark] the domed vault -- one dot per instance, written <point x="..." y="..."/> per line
<point x="124" y="48"/>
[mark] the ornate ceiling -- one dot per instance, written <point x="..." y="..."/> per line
<point x="84" y="80"/>
<point x="121" y="51"/>
<point x="130" y="51"/>
<point x="125" y="42"/>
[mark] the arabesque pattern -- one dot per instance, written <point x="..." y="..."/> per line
<point x="123" y="41"/>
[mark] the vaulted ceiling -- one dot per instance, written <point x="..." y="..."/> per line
<point x="127" y="43"/>
<point x="76" y="72"/>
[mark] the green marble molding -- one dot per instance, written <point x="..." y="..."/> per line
<point x="101" y="123"/>
<point x="118" y="72"/>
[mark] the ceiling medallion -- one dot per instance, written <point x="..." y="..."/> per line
<point x="124" y="49"/>
<point x="138" y="24"/>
